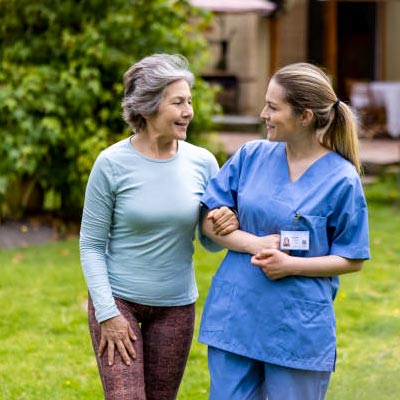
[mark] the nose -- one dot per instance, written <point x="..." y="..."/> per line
<point x="188" y="111"/>
<point x="264" y="112"/>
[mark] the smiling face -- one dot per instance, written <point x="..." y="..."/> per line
<point x="174" y="113"/>
<point x="280" y="119"/>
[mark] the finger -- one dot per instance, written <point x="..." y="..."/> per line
<point x="211" y="214"/>
<point x="102" y="346"/>
<point x="221" y="221"/>
<point x="124" y="354"/>
<point x="131" y="334"/>
<point x="228" y="229"/>
<point x="218" y="228"/>
<point x="225" y="221"/>
<point x="255" y="261"/>
<point x="222" y="214"/>
<point x="265" y="253"/>
<point x="111" y="347"/>
<point x="130" y="349"/>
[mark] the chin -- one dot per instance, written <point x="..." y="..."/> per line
<point x="182" y="136"/>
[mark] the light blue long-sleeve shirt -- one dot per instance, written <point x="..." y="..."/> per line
<point x="138" y="226"/>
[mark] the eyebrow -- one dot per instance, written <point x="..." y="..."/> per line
<point x="181" y="97"/>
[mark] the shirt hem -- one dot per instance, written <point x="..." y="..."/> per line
<point x="155" y="303"/>
<point x="309" y="366"/>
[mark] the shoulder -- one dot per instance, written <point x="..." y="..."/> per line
<point x="342" y="168"/>
<point x="260" y="145"/>
<point x="343" y="174"/>
<point x="196" y="153"/>
<point x="112" y="160"/>
<point x="261" y="149"/>
<point x="117" y="156"/>
<point x="116" y="150"/>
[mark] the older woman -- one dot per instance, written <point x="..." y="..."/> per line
<point x="140" y="213"/>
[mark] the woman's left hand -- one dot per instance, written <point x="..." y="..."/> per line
<point x="274" y="263"/>
<point x="224" y="219"/>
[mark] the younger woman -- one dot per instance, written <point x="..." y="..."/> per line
<point x="269" y="319"/>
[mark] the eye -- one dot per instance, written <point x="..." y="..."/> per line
<point x="272" y="107"/>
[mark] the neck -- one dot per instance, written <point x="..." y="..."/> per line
<point x="305" y="148"/>
<point x="157" y="148"/>
<point x="301" y="155"/>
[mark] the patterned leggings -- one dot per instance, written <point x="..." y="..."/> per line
<point x="164" y="336"/>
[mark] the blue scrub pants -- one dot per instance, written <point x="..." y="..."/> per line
<point x="234" y="377"/>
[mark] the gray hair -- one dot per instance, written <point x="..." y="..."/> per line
<point x="145" y="82"/>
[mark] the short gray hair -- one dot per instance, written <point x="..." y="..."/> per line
<point x="145" y="82"/>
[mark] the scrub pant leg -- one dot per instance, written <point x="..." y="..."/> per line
<point x="295" y="384"/>
<point x="234" y="377"/>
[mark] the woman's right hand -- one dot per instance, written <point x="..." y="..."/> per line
<point x="116" y="333"/>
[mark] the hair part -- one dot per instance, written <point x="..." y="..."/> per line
<point x="145" y="83"/>
<point x="309" y="87"/>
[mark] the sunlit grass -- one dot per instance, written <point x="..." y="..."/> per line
<point x="46" y="353"/>
<point x="45" y="348"/>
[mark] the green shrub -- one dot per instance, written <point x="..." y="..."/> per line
<point x="61" y="71"/>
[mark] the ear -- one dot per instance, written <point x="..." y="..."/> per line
<point x="306" y="117"/>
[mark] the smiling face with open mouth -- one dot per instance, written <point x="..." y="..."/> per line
<point x="174" y="114"/>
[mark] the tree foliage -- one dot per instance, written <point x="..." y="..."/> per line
<point x="61" y="71"/>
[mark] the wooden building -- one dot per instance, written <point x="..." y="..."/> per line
<point x="354" y="40"/>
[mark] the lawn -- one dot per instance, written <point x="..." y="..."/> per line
<point x="46" y="353"/>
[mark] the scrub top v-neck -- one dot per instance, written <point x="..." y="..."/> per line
<point x="288" y="322"/>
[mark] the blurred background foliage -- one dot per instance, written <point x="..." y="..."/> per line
<point x="62" y="63"/>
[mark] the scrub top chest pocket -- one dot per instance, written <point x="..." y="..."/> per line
<point x="306" y="236"/>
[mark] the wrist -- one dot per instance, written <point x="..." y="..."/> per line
<point x="252" y="244"/>
<point x="294" y="266"/>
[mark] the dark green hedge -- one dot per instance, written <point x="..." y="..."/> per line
<point x="61" y="71"/>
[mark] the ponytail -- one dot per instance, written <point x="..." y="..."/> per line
<point x="308" y="87"/>
<point x="341" y="135"/>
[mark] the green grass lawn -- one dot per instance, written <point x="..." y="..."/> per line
<point x="45" y="349"/>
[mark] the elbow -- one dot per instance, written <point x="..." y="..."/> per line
<point x="356" y="265"/>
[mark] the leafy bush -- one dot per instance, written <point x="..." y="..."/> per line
<point x="61" y="71"/>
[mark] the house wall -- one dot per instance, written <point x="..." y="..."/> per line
<point x="247" y="58"/>
<point x="249" y="50"/>
<point x="392" y="53"/>
<point x="293" y="33"/>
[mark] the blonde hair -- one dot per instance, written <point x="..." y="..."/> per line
<point x="308" y="87"/>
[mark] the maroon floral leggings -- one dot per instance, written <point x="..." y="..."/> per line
<point x="164" y="336"/>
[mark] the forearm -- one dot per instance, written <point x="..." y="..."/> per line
<point x="95" y="272"/>
<point x="277" y="264"/>
<point x="325" y="266"/>
<point x="92" y="245"/>
<point x="238" y="240"/>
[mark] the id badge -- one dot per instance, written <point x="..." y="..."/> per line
<point x="295" y="240"/>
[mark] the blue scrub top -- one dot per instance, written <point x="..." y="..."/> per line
<point x="288" y="322"/>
